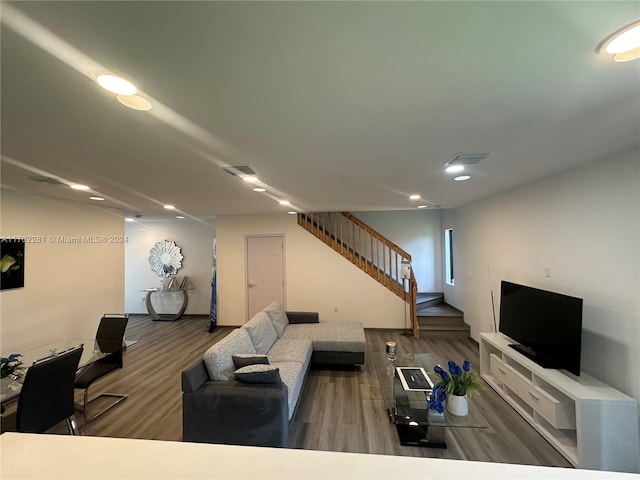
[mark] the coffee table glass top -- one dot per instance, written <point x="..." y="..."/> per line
<point x="410" y="407"/>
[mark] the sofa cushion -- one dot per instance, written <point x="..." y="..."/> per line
<point x="294" y="350"/>
<point x="331" y="336"/>
<point x="292" y="375"/>
<point x="259" y="373"/>
<point x="243" y="359"/>
<point x="261" y="331"/>
<point x="218" y="358"/>
<point x="278" y="317"/>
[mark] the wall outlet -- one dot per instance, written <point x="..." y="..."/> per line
<point x="547" y="272"/>
<point x="335" y="309"/>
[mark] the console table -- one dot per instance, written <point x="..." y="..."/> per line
<point x="171" y="304"/>
<point x="593" y="425"/>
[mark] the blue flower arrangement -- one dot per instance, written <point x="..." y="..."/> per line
<point x="459" y="381"/>
<point x="436" y="400"/>
<point x="8" y="365"/>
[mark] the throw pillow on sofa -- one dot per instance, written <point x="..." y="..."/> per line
<point x="278" y="317"/>
<point x="244" y="359"/>
<point x="258" y="374"/>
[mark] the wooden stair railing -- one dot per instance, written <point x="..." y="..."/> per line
<point x="367" y="249"/>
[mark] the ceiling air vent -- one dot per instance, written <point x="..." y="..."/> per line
<point x="239" y="171"/>
<point x="49" y="180"/>
<point x="466" y="159"/>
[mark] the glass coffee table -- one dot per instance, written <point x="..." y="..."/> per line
<point x="407" y="409"/>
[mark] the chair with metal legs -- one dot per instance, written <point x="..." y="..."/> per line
<point x="46" y="397"/>
<point x="109" y="338"/>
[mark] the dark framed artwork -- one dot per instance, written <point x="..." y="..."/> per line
<point x="11" y="263"/>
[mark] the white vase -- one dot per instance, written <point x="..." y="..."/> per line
<point x="458" y="405"/>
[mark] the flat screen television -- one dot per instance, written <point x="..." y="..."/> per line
<point x="546" y="326"/>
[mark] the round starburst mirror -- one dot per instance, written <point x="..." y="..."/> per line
<point x="165" y="258"/>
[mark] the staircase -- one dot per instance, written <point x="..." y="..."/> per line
<point x="367" y="249"/>
<point x="439" y="319"/>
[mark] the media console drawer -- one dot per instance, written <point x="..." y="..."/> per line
<point x="497" y="368"/>
<point x="504" y="374"/>
<point x="552" y="409"/>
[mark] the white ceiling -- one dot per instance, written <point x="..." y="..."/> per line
<point x="336" y="105"/>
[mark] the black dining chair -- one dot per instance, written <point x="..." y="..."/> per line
<point x="109" y="339"/>
<point x="46" y="397"/>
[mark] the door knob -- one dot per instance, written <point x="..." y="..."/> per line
<point x="251" y="285"/>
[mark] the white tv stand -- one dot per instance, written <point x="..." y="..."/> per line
<point x="593" y="425"/>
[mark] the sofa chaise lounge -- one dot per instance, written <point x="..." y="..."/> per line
<point x="246" y="388"/>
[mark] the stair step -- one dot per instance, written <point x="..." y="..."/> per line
<point x="427" y="296"/>
<point x="440" y="310"/>
<point x="431" y="333"/>
<point x="424" y="300"/>
<point x="458" y="328"/>
<point x="441" y="321"/>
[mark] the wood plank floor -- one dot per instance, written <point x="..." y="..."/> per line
<point x="341" y="408"/>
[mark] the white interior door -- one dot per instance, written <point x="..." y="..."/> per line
<point x="265" y="271"/>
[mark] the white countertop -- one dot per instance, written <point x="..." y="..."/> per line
<point x="32" y="456"/>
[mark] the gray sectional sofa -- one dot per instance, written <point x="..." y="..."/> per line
<point x="246" y="388"/>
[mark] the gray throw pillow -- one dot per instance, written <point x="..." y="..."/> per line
<point x="243" y="359"/>
<point x="258" y="374"/>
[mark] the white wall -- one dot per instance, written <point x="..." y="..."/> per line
<point x="68" y="286"/>
<point x="196" y="242"/>
<point x="317" y="278"/>
<point x="418" y="233"/>
<point x="584" y="224"/>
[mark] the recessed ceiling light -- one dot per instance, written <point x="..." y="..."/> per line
<point x="422" y="206"/>
<point x="128" y="219"/>
<point x="462" y="178"/>
<point x="96" y="198"/>
<point x="180" y="217"/>
<point x="116" y="84"/>
<point x="624" y="44"/>
<point x="454" y="168"/>
<point x="169" y="207"/>
<point x="259" y="189"/>
<point x="415" y="196"/>
<point x="284" y="202"/>
<point x="250" y="178"/>
<point x="292" y="213"/>
<point x="76" y="186"/>
<point x="135" y="102"/>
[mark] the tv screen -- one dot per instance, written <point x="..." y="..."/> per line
<point x="547" y="326"/>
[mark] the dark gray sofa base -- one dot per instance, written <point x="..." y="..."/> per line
<point x="342" y="358"/>
<point x="243" y="414"/>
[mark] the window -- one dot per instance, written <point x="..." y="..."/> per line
<point x="448" y="256"/>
